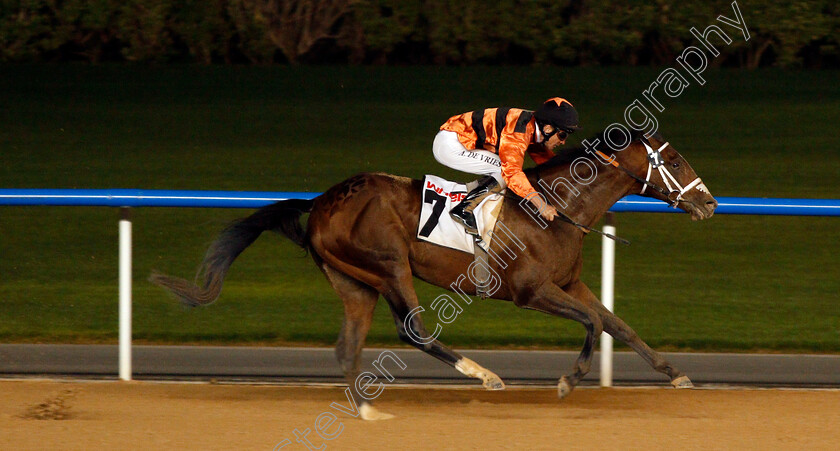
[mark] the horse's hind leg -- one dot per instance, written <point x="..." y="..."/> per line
<point x="359" y="302"/>
<point x="401" y="297"/>
<point x="614" y="326"/>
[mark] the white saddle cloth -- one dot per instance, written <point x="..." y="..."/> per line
<point x="439" y="196"/>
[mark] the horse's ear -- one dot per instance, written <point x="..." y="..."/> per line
<point x="640" y="135"/>
<point x="616" y="135"/>
<point x="637" y="135"/>
<point x="600" y="137"/>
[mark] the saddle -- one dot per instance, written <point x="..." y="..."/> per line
<point x="438" y="197"/>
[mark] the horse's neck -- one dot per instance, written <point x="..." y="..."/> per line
<point x="587" y="202"/>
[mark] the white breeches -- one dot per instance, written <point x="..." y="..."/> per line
<point x="451" y="153"/>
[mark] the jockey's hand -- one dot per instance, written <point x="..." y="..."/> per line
<point x="549" y="213"/>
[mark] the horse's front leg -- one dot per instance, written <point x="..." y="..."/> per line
<point x="554" y="301"/>
<point x="614" y="326"/>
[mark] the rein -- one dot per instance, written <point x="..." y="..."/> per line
<point x="586" y="229"/>
<point x="645" y="182"/>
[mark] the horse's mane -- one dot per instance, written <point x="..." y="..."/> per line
<point x="566" y="156"/>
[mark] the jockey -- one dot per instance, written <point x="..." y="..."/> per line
<point x="493" y="142"/>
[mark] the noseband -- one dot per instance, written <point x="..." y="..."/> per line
<point x="674" y="191"/>
<point x="655" y="161"/>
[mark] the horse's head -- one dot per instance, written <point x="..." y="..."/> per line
<point x="665" y="175"/>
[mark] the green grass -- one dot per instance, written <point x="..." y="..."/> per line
<point x="731" y="283"/>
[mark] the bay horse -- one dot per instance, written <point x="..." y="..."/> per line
<point x="362" y="235"/>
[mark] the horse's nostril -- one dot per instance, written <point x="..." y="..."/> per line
<point x="712" y="203"/>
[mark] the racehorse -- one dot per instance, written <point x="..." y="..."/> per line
<point x="362" y="234"/>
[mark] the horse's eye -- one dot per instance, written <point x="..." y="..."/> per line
<point x="675" y="165"/>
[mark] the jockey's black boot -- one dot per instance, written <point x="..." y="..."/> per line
<point x="463" y="212"/>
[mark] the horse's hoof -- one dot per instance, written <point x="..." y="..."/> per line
<point x="494" y="384"/>
<point x="488" y="379"/>
<point x="682" y="382"/>
<point x="370" y="413"/>
<point x="564" y="387"/>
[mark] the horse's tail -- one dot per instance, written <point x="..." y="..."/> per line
<point x="283" y="217"/>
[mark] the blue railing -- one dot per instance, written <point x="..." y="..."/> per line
<point x="146" y="198"/>
<point x="127" y="198"/>
<point x="256" y="199"/>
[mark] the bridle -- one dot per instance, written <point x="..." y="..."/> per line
<point x="655" y="161"/>
<point x="674" y="191"/>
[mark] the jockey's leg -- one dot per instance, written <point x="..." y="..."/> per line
<point x="463" y="212"/>
<point x="449" y="151"/>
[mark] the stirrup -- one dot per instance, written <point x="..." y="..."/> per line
<point x="463" y="212"/>
<point x="466" y="219"/>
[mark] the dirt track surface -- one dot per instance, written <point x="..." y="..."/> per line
<point x="111" y="415"/>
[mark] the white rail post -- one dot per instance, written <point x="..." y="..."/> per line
<point x="125" y="293"/>
<point x="607" y="298"/>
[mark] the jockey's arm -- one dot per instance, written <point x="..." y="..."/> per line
<point x="539" y="153"/>
<point x="512" y="154"/>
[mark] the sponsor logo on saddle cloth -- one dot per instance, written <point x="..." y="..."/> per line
<point x="439" y="196"/>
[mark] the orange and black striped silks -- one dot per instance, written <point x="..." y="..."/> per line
<point x="508" y="132"/>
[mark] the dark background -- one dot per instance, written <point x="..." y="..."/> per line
<point x="440" y="32"/>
